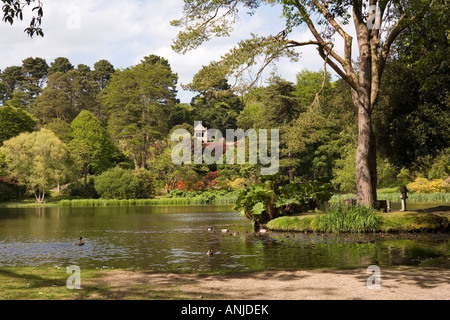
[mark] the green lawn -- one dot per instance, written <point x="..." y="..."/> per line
<point x="390" y="222"/>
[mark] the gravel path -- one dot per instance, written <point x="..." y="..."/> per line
<point x="396" y="284"/>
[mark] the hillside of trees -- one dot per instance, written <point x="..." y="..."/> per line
<point x="74" y="129"/>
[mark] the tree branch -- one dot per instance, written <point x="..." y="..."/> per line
<point x="348" y="75"/>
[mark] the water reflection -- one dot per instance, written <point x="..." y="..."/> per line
<point x="169" y="238"/>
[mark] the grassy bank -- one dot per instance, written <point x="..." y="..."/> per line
<point x="145" y="202"/>
<point x="219" y="200"/>
<point x="407" y="221"/>
<point x="40" y="283"/>
<point x="207" y="198"/>
<point x="50" y="283"/>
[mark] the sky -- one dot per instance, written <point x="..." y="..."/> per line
<point x="124" y="31"/>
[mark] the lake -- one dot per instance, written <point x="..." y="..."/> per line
<point x="176" y="238"/>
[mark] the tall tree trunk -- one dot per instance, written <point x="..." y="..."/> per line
<point x="39" y="196"/>
<point x="366" y="155"/>
<point x="136" y="165"/>
<point x="85" y="175"/>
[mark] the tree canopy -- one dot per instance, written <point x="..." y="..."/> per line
<point x="377" y="25"/>
<point x="139" y="101"/>
<point x="37" y="159"/>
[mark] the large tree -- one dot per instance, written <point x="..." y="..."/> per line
<point x="376" y="25"/>
<point x="14" y="121"/>
<point x="216" y="104"/>
<point x="37" y="160"/>
<point x="66" y="94"/>
<point x="90" y="146"/>
<point x="139" y="101"/>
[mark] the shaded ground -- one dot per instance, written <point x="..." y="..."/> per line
<point x="396" y="284"/>
<point x="441" y="210"/>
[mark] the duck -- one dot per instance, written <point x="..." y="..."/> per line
<point x="225" y="230"/>
<point x="210" y="252"/>
<point x="80" y="242"/>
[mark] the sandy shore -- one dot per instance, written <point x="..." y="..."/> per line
<point x="396" y="284"/>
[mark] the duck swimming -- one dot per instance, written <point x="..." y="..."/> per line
<point x="80" y="242"/>
<point x="210" y="252"/>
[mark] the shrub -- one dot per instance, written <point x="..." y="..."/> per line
<point x="10" y="190"/>
<point x="146" y="187"/>
<point x="405" y="176"/>
<point x="6" y="193"/>
<point x="266" y="201"/>
<point x="239" y="183"/>
<point x="117" y="183"/>
<point x="423" y="185"/>
<point x="88" y="191"/>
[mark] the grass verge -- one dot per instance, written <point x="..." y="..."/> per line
<point x="50" y="283"/>
<point x="407" y="221"/>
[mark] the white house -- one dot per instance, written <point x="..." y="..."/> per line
<point x="200" y="132"/>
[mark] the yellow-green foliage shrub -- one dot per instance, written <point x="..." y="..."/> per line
<point x="239" y="183"/>
<point x="423" y="185"/>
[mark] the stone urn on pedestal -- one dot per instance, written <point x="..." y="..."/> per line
<point x="403" y="196"/>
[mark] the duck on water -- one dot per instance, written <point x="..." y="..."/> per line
<point x="80" y="242"/>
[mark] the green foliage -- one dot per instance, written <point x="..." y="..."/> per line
<point x="90" y="147"/>
<point x="309" y="84"/>
<point x="265" y="201"/>
<point x="211" y="196"/>
<point x="80" y="190"/>
<point x="140" y="100"/>
<point x="103" y="70"/>
<point x="117" y="183"/>
<point x="14" y="121"/>
<point x="146" y="188"/>
<point x="9" y="190"/>
<point x="440" y="168"/>
<point x="65" y="96"/>
<point x="60" y="64"/>
<point x="39" y="160"/>
<point x="302" y="197"/>
<point x="360" y="219"/>
<point x="61" y="129"/>
<point x="258" y="197"/>
<point x="348" y="216"/>
<point x="423" y="185"/>
<point x="216" y="104"/>
<point x="344" y="171"/>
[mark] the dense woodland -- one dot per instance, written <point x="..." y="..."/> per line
<point x="97" y="131"/>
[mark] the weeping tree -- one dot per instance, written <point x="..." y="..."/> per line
<point x="38" y="160"/>
<point x="376" y="24"/>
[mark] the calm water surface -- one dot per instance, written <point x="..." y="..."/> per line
<point x="171" y="238"/>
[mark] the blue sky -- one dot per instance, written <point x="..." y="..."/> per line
<point x="124" y="31"/>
